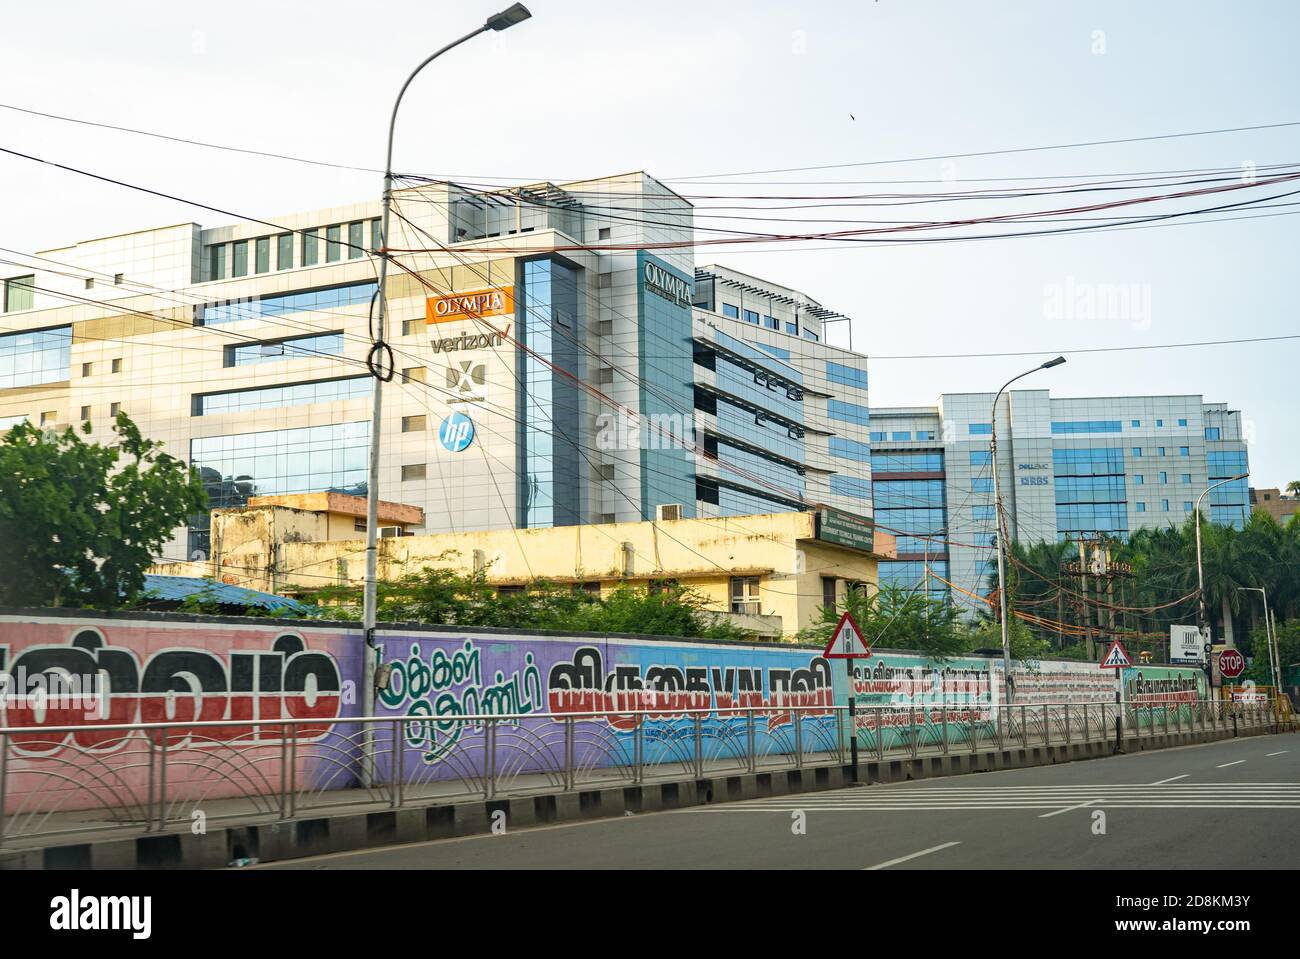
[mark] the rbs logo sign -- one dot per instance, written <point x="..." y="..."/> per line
<point x="456" y="432"/>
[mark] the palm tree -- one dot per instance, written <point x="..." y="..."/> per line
<point x="1293" y="487"/>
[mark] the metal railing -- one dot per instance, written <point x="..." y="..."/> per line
<point x="61" y="782"/>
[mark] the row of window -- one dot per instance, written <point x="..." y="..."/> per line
<point x="34" y="357"/>
<point x="1160" y="451"/>
<point x="1164" y="505"/>
<point x="298" y="347"/>
<point x="907" y="461"/>
<point x="270" y="397"/>
<point x="768" y="322"/>
<point x="846" y="375"/>
<point x="848" y="412"/>
<point x="236" y="254"/>
<point x="902" y="436"/>
<point x="279" y="304"/>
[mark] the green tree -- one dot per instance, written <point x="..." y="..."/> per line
<point x="893" y="617"/>
<point x="80" y="522"/>
<point x="1293" y="488"/>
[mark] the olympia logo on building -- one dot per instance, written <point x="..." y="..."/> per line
<point x="470" y="305"/>
<point x="456" y="432"/>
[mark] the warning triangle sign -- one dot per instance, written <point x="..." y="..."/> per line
<point x="1117" y="658"/>
<point x="847" y="642"/>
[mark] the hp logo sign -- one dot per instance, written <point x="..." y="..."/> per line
<point x="456" y="432"/>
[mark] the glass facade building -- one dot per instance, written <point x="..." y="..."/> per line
<point x="1084" y="469"/>
<point x="550" y="408"/>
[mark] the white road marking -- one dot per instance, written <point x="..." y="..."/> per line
<point x="915" y="855"/>
<point x="1171" y="779"/>
<point x="1049" y="815"/>
<point x="1226" y="765"/>
<point x="1282" y="753"/>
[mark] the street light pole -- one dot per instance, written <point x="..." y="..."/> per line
<point x="1201" y="618"/>
<point x="1000" y="519"/>
<point x="1268" y="632"/>
<point x="1200" y="572"/>
<point x="376" y="361"/>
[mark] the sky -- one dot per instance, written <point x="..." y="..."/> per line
<point x="698" y="89"/>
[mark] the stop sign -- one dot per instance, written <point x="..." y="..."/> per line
<point x="1231" y="663"/>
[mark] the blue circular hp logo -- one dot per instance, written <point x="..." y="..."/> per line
<point x="456" y="432"/>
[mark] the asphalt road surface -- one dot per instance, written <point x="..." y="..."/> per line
<point x="1233" y="804"/>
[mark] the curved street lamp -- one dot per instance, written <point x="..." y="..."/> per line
<point x="1001" y="520"/>
<point x="500" y="21"/>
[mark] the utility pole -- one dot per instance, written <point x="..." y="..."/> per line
<point x="380" y="363"/>
<point x="1201" y="619"/>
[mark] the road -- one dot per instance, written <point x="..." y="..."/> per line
<point x="1233" y="804"/>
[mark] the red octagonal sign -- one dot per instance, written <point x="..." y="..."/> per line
<point x="1231" y="663"/>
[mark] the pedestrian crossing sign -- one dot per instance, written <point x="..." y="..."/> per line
<point x="1117" y="658"/>
<point x="847" y="642"/>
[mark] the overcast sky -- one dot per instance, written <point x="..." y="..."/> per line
<point x="592" y="87"/>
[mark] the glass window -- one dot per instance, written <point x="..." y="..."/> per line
<point x="299" y="347"/>
<point x="1141" y="507"/>
<point x="1182" y="422"/>
<point x="310" y="247"/>
<point x="239" y="259"/>
<point x="851" y="449"/>
<point x="731" y="311"/>
<point x="1136" y="423"/>
<point x="906" y="461"/>
<point x="35" y="357"/>
<point x="376" y="234"/>
<point x="982" y="512"/>
<point x="792" y="329"/>
<point x="1212" y="432"/>
<point x="771" y="323"/>
<point x="846" y="375"/>
<point x="751" y="317"/>
<point x="925" y="434"/>
<point x="1139" y="479"/>
<point x="415" y="424"/>
<point x="902" y="437"/>
<point x="1160" y="451"/>
<point x="217" y="262"/>
<point x="1187" y="506"/>
<point x="981" y="458"/>
<point x="981" y="429"/>
<point x="262" y="262"/>
<point x="356" y="240"/>
<point x="1186" y="478"/>
<point x="851" y="486"/>
<point x="270" y="397"/>
<point x="1088" y="426"/>
<point x="284" y="251"/>
<point x="1160" y="422"/>
<point x="20" y="293"/>
<point x="745" y="595"/>
<point x="334" y="243"/>
<point x="324" y="299"/>
<point x="1137" y="451"/>
<point x="848" y="412"/>
<point x="879" y="437"/>
<point x="981" y="485"/>
<point x="1184" y="451"/>
<point x="1164" y="505"/>
<point x="1164" y="477"/>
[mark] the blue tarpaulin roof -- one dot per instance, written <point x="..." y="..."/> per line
<point x="179" y="588"/>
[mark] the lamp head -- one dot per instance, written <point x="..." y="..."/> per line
<point x="1050" y="363"/>
<point x="509" y="17"/>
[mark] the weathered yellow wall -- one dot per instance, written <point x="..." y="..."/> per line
<point x="704" y="554"/>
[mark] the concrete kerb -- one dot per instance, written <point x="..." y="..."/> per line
<point x="312" y="836"/>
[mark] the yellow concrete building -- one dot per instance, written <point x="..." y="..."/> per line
<point x="770" y="572"/>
